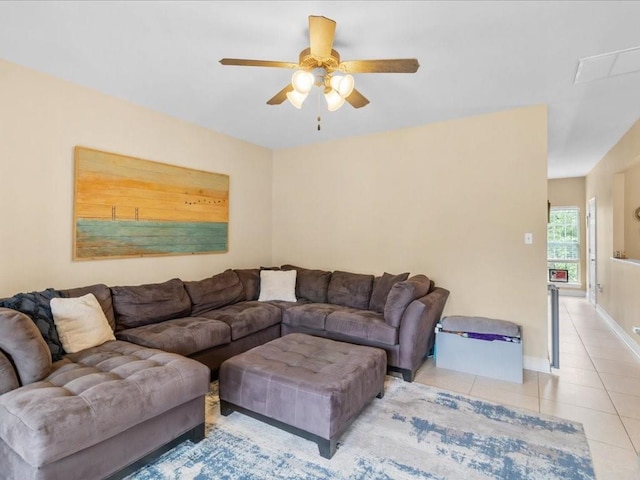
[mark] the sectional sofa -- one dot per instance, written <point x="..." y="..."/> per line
<point x="102" y="410"/>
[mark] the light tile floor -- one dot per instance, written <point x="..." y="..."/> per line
<point x="598" y="384"/>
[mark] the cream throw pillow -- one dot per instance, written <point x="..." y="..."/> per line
<point x="278" y="285"/>
<point x="80" y="322"/>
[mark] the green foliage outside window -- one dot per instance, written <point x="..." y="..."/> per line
<point x="563" y="241"/>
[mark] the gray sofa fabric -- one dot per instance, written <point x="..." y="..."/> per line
<point x="250" y="279"/>
<point x="313" y="384"/>
<point x="246" y="318"/>
<point x="22" y="344"/>
<point x="36" y="306"/>
<point x="350" y="289"/>
<point x="401" y="295"/>
<point x="381" y="287"/>
<point x="181" y="335"/>
<point x="93" y="395"/>
<point x="152" y="303"/>
<point x="311" y="284"/>
<point x="359" y="324"/>
<point x="311" y="315"/>
<point x="8" y="376"/>
<point x="214" y="292"/>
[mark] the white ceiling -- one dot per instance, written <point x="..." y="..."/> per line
<point x="475" y="57"/>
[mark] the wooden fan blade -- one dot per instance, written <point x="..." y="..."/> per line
<point x="397" y="65"/>
<point x="281" y="96"/>
<point x="257" y="63"/>
<point x="356" y="99"/>
<point x="321" y="33"/>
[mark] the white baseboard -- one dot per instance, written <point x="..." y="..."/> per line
<point x="536" y="364"/>
<point x="624" y="336"/>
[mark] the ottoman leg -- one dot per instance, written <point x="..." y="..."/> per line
<point x="381" y="394"/>
<point x="327" y="447"/>
<point x="225" y="408"/>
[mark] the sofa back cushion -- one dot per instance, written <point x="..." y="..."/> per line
<point x="22" y="343"/>
<point x="350" y="289"/>
<point x="102" y="294"/>
<point x="250" y="278"/>
<point x="36" y="306"/>
<point x="401" y="295"/>
<point x="381" y="288"/>
<point x="311" y="284"/>
<point x="214" y="292"/>
<point x="8" y="376"/>
<point x="139" y="305"/>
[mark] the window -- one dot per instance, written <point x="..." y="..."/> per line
<point x="563" y="241"/>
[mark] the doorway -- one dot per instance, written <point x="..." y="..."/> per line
<point x="592" y="252"/>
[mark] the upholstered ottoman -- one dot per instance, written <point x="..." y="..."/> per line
<point x="310" y="386"/>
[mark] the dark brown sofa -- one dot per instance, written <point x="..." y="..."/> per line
<point x="157" y="326"/>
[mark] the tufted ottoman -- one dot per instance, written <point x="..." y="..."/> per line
<point x="311" y="386"/>
<point x="99" y="411"/>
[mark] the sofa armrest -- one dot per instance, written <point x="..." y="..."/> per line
<point x="417" y="328"/>
<point x="8" y="375"/>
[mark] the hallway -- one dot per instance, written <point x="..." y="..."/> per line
<point x="598" y="384"/>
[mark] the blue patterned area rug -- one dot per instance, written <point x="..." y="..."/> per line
<point x="414" y="432"/>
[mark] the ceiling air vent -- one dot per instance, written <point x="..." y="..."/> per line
<point x="606" y="65"/>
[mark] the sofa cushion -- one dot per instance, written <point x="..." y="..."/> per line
<point x="246" y="318"/>
<point x="311" y="285"/>
<point x="36" y="306"/>
<point x="214" y="292"/>
<point x="278" y="285"/>
<point x="361" y="325"/>
<point x="93" y="395"/>
<point x="312" y="315"/>
<point x="80" y="322"/>
<point x="401" y="295"/>
<point x="8" y="377"/>
<point x="350" y="289"/>
<point x="102" y="294"/>
<point x="250" y="278"/>
<point x="151" y="303"/>
<point x="23" y="345"/>
<point x="381" y="288"/>
<point x="180" y="335"/>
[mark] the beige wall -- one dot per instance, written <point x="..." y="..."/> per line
<point x="452" y="200"/>
<point x="619" y="279"/>
<point x="570" y="192"/>
<point x="43" y="118"/>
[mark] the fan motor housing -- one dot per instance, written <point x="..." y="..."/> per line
<point x="309" y="61"/>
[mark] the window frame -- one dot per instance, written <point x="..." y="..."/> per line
<point x="557" y="263"/>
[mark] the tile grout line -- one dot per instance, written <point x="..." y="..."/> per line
<point x="603" y="384"/>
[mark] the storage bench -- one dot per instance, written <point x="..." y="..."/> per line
<point x="481" y="346"/>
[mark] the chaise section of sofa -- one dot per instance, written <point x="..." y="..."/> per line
<point x="94" y="413"/>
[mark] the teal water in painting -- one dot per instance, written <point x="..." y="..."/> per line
<point x="116" y="238"/>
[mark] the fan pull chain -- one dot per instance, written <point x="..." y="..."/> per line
<point x="318" y="106"/>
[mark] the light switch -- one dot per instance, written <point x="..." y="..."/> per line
<point x="528" y="238"/>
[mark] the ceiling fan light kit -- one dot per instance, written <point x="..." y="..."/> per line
<point x="317" y="65"/>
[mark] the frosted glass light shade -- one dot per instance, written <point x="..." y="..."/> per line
<point x="334" y="100"/>
<point x="296" y="98"/>
<point x="343" y="84"/>
<point x="302" y="81"/>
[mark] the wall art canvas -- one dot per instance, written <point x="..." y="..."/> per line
<point x="129" y="207"/>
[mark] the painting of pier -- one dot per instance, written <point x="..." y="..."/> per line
<point x="129" y="207"/>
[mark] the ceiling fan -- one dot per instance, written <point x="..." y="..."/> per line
<point x="320" y="65"/>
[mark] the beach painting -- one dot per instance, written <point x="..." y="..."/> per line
<point x="129" y="207"/>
